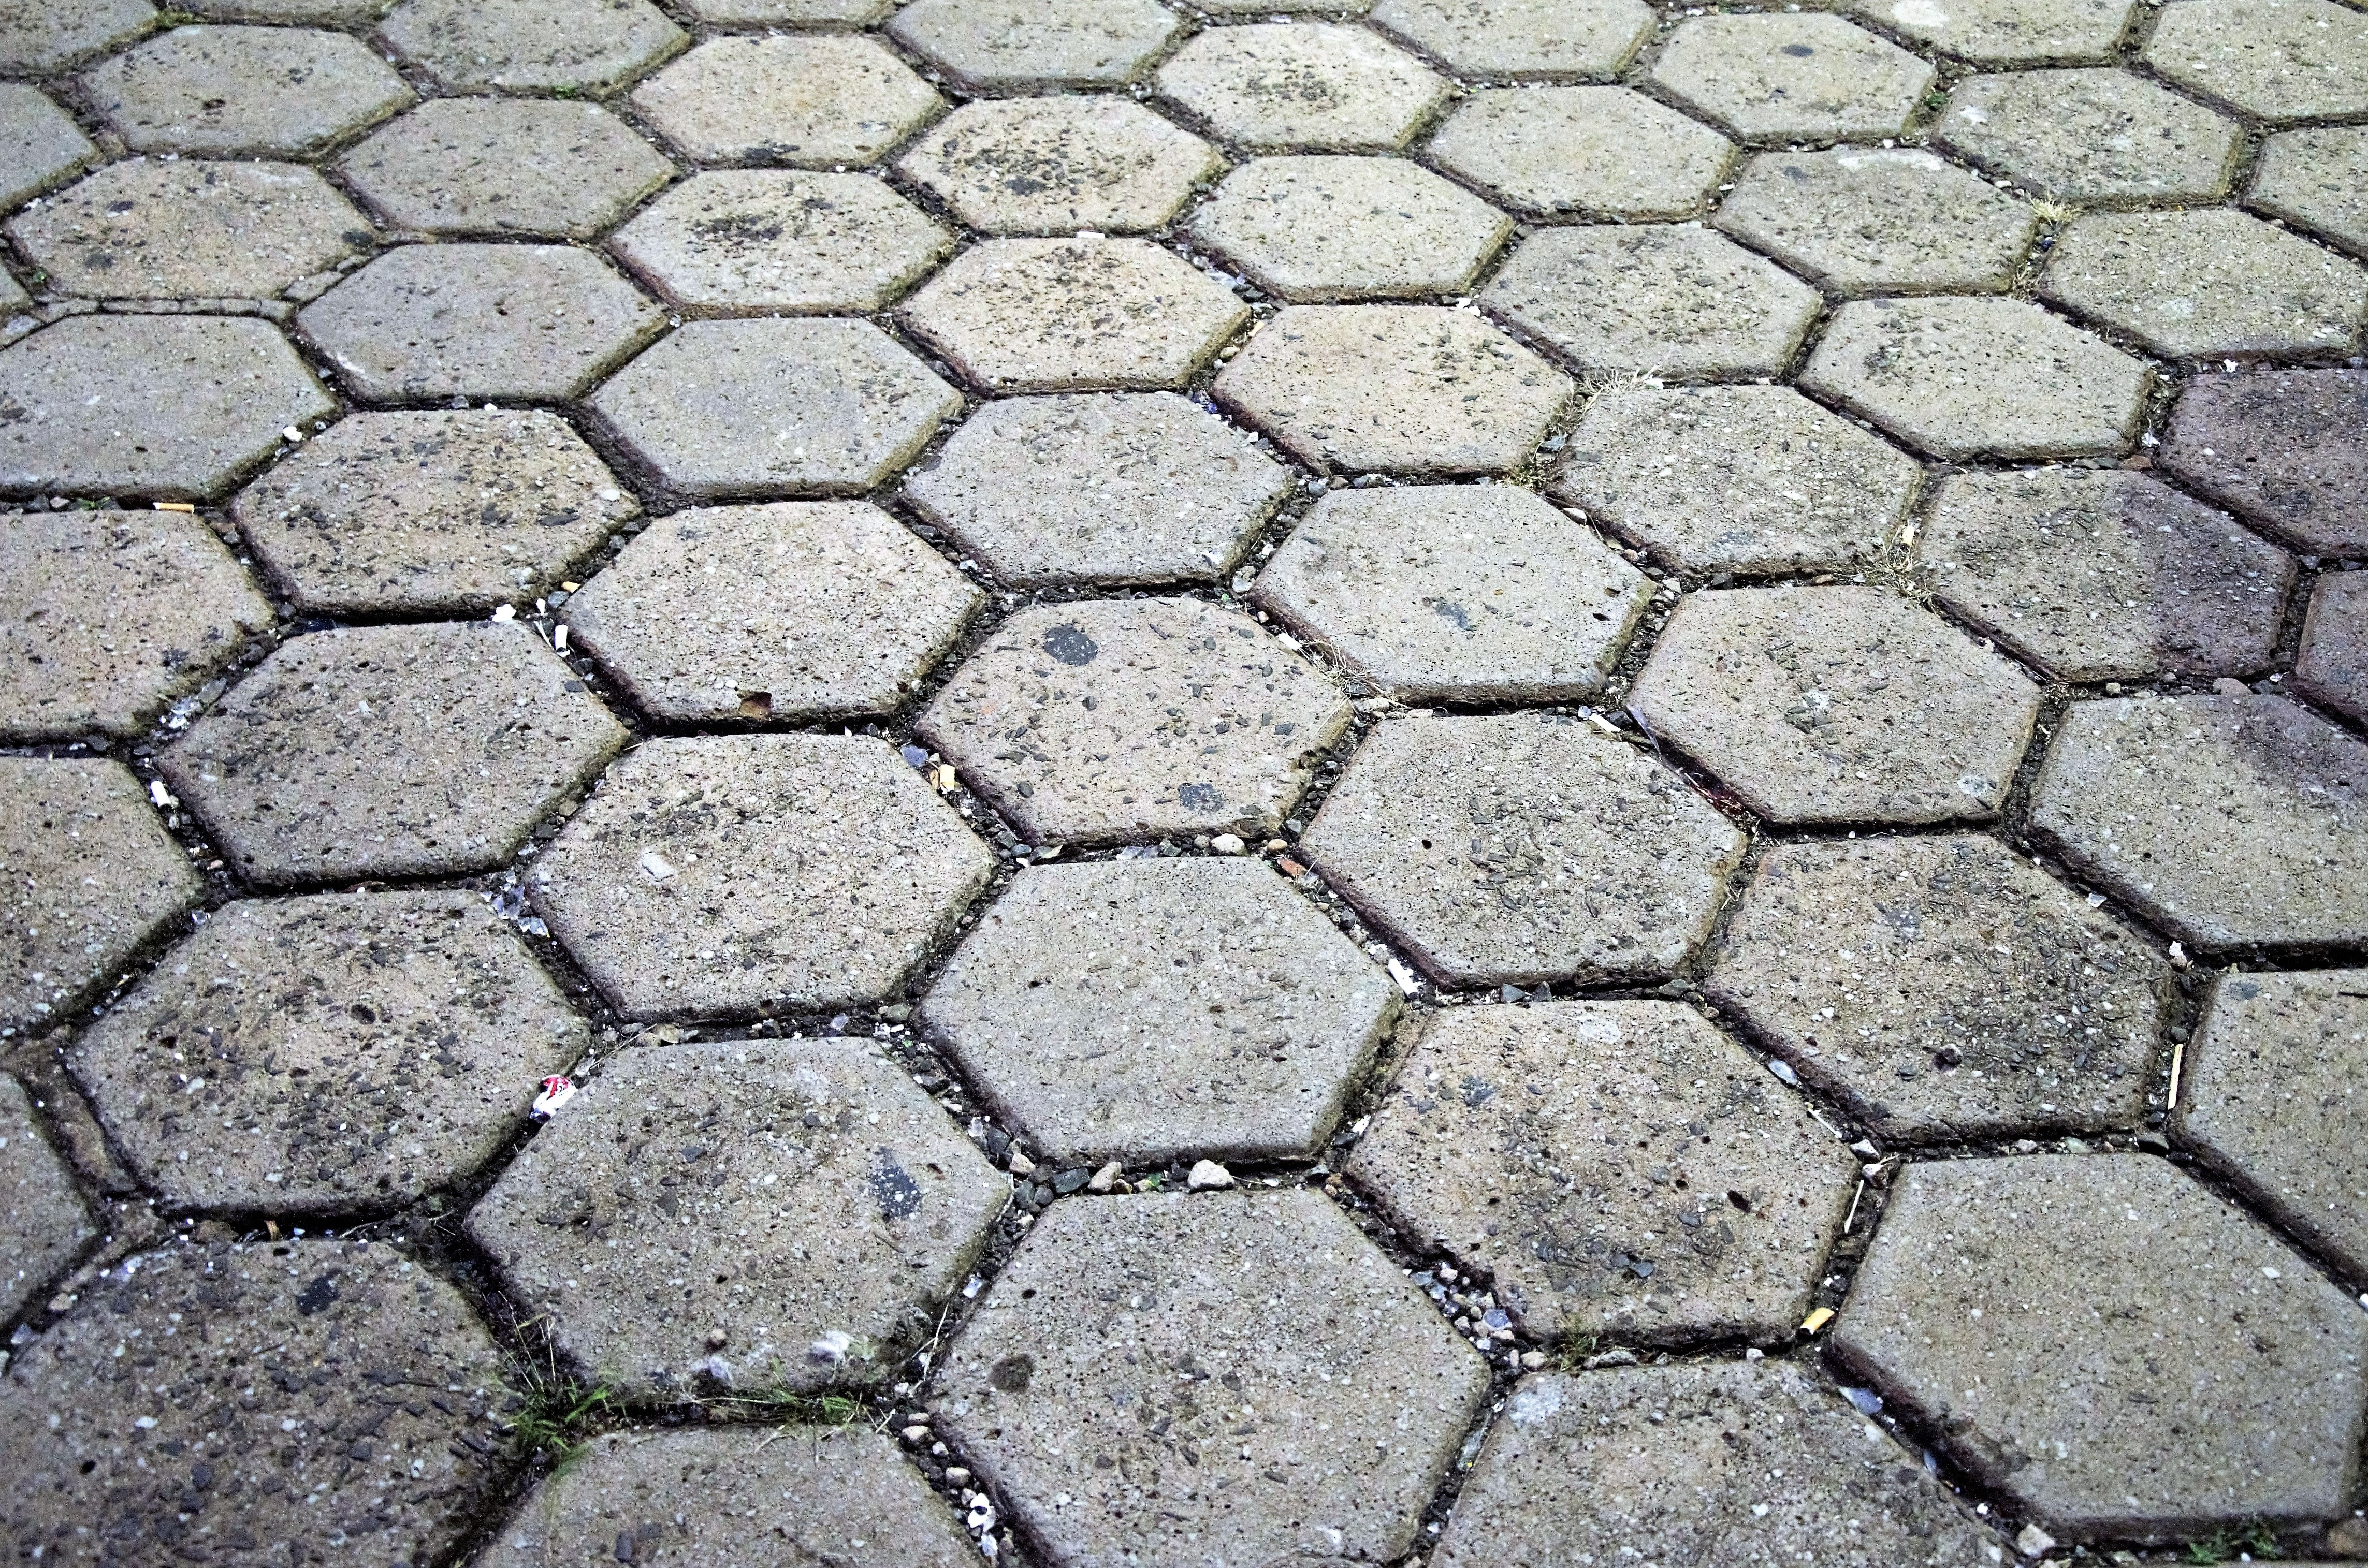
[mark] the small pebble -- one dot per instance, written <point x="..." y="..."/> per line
<point x="1207" y="1176"/>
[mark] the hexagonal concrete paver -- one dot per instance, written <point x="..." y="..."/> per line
<point x="1457" y="594"/>
<point x="835" y="611"/>
<point x="225" y="91"/>
<point x="816" y="100"/>
<point x="479" y="321"/>
<point x="163" y="229"/>
<point x="1602" y="152"/>
<point x="1544" y="41"/>
<point x="1980" y="377"/>
<point x="2281" y="59"/>
<point x="38" y="36"/>
<point x="2332" y="665"/>
<point x="1790" y="77"/>
<point x="1616" y="1167"/>
<point x="1103" y="721"/>
<point x="1874" y="220"/>
<point x="2286" y="448"/>
<point x="2090" y="136"/>
<point x="2231" y="821"/>
<point x="532" y="46"/>
<point x="310" y="13"/>
<point x="169" y="406"/>
<point x="833" y="1494"/>
<point x="40" y="143"/>
<point x="2097" y="577"/>
<point x="1837" y="704"/>
<point x="1976" y="1310"/>
<point x="851" y="13"/>
<point x="440" y="512"/>
<point x="757" y="1215"/>
<point x="747" y="873"/>
<point x="2317" y="180"/>
<point x="1675" y="301"/>
<point x="1058" y="165"/>
<point x="725" y="409"/>
<point x="104" y="616"/>
<point x="1060" y="315"/>
<point x="2207" y="283"/>
<point x="1157" y="1010"/>
<point x="1523" y="847"/>
<point x="1316" y="86"/>
<point x="306" y="1055"/>
<point x="1419" y="389"/>
<point x="1228" y="1441"/>
<point x="1016" y="45"/>
<point x="1942" y="987"/>
<point x="2006" y="32"/>
<point x="505" y="166"/>
<point x="743" y="241"/>
<point x="1331" y="228"/>
<point x="1736" y="479"/>
<point x="390" y="751"/>
<point x="1117" y="488"/>
<point x="1683" y="1463"/>
<point x="214" y="1437"/>
<point x="43" y="1225"/>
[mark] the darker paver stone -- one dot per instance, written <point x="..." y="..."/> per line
<point x="1311" y="85"/>
<point x="43" y="1225"/>
<point x="1012" y="46"/>
<point x="532" y="45"/>
<point x="741" y="242"/>
<point x="2333" y="662"/>
<point x="1055" y="166"/>
<point x="2287" y="448"/>
<point x="505" y="167"/>
<point x="231" y="90"/>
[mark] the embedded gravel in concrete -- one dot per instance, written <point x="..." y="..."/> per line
<point x="1055" y="166"/>
<point x="1790" y="77"/>
<point x="1603" y="153"/>
<point x="225" y="91"/>
<point x="1546" y="40"/>
<point x="1014" y="46"/>
<point x="505" y="167"/>
<point x="1875" y="219"/>
<point x="2090" y="136"/>
<point x="43" y="1225"/>
<point x="2317" y="180"/>
<point x="1329" y="228"/>
<point x="744" y="241"/>
<point x="2280" y="60"/>
<point x="2207" y="283"/>
<point x="2007" y="32"/>
<point x="809" y="100"/>
<point x="37" y="37"/>
<point x="1314" y="86"/>
<point x="527" y="46"/>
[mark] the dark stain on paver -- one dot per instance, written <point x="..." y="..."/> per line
<point x="1069" y="644"/>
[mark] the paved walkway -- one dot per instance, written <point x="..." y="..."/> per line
<point x="1507" y="782"/>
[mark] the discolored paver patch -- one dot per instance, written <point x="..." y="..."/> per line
<point x="158" y="229"/>
<point x="1117" y="488"/>
<point x="2230" y="820"/>
<point x="1736" y="479"/>
<point x="723" y="409"/>
<point x="2207" y="283"/>
<point x="215" y="1437"/>
<point x="1874" y="220"/>
<point x="1546" y="41"/>
<point x="104" y="616"/>
<point x="816" y="100"/>
<point x="1157" y="1010"/>
<point x="1972" y="378"/>
<point x="1103" y="721"/>
<point x="1457" y="594"/>
<point x="744" y="241"/>
<point x="2090" y="136"/>
<point x="1332" y="228"/>
<point x="793" y="612"/>
<point x="1316" y="86"/>
<point x="40" y="143"/>
<point x="749" y="1215"/>
<point x="1942" y="987"/>
<point x="1598" y="151"/>
<point x="166" y="407"/>
<point x="38" y="36"/>
<point x="2006" y="32"/>
<point x="1414" y="388"/>
<point x="1012" y="46"/>
<point x="1976" y="1310"/>
<point x="1790" y="77"/>
<point x="1228" y="1441"/>
<point x="1837" y="704"/>
<point x="43" y="1225"/>
<point x="1058" y="165"/>
<point x="2286" y="448"/>
<point x="2317" y="180"/>
<point x="505" y="167"/>
<point x="2104" y="576"/>
<point x="736" y="874"/>
<point x="2280" y="60"/>
<point x="1518" y="848"/>
<point x="1667" y="301"/>
<point x="1060" y="315"/>
<point x="532" y="46"/>
<point x="225" y="91"/>
<point x="2333" y="662"/>
<point x="307" y="1055"/>
<point x="390" y="751"/>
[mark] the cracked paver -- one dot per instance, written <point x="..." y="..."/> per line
<point x="532" y="46"/>
<point x="505" y="167"/>
<point x="1329" y="228"/>
<point x="2207" y="284"/>
<point x="744" y="241"/>
<point x="1055" y="166"/>
<point x="1312" y="87"/>
<point x="809" y="100"/>
<point x="222" y="91"/>
<point x="1601" y="152"/>
<point x="43" y="1224"/>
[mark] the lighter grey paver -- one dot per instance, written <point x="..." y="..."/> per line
<point x="1873" y="220"/>
<point x="306" y="1055"/>
<point x="2207" y="283"/>
<point x="743" y="241"/>
<point x="531" y="46"/>
<point x="1806" y="78"/>
<point x="811" y="101"/>
<point x="2282" y="60"/>
<point x="2090" y="136"/>
<point x="1524" y="847"/>
<point x="1157" y="1010"/>
<point x="38" y="36"/>
<point x="1313" y="85"/>
<point x="43" y="1225"/>
<point x="1942" y="987"/>
<point x="1547" y="40"/>
<point x="1118" y="488"/>
<point x="1600" y="151"/>
<point x="2286" y="448"/>
<point x="1331" y="228"/>
<point x="1058" y="165"/>
<point x="390" y="751"/>
<point x="2007" y="32"/>
<point x="231" y="90"/>
<point x="752" y="1215"/>
<point x="1009" y="46"/>
<point x="40" y="143"/>
<point x="2317" y="180"/>
<point x="734" y="874"/>
<point x="2333" y="662"/>
<point x="1104" y="720"/>
<point x="159" y="229"/>
<point x="505" y="167"/>
<point x="1838" y="704"/>
<point x="853" y="13"/>
<point x="1978" y="1309"/>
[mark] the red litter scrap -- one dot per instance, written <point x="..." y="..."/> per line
<point x="557" y="1090"/>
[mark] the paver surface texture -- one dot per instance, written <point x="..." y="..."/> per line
<point x="1141" y="784"/>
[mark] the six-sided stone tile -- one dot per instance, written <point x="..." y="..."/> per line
<point x="1790" y="77"/>
<point x="1600" y="152"/>
<point x="43" y="1225"/>
<point x="741" y="241"/>
<point x="2282" y="60"/>
<point x="40" y="143"/>
<point x="1837" y="704"/>
<point x="1058" y="165"/>
<point x="532" y="46"/>
<point x="390" y="751"/>
<point x="834" y="610"/>
<point x="2286" y="448"/>
<point x="2333" y="662"/>
<point x="813" y="100"/>
<point x="1313" y="85"/>
<point x="755" y="1215"/>
<point x="38" y="36"/>
<point x="1978" y="1309"/>
<point x="1873" y="220"/>
<point x="1943" y="988"/>
<point x="747" y="873"/>
<point x="1331" y="228"/>
<point x="2006" y="32"/>
<point x="2090" y="136"/>
<point x="1142" y="1330"/>
<point x="304" y="1055"/>
<point x="1014" y="46"/>
<point x="1617" y="1167"/>
<point x="1154" y="1010"/>
<point x="2206" y="283"/>
<point x="2319" y="180"/>
<point x="1118" y="488"/>
<point x="231" y="90"/>
<point x="505" y="167"/>
<point x="1549" y="40"/>
<point x="1102" y="721"/>
<point x="1524" y="847"/>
